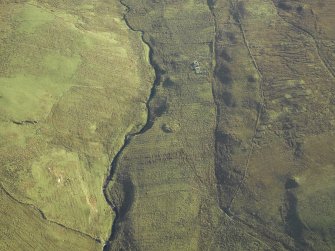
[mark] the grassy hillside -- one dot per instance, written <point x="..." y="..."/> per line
<point x="23" y="228"/>
<point x="73" y="81"/>
<point x="235" y="155"/>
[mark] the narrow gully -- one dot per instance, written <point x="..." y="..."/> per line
<point x="211" y="6"/>
<point x="225" y="209"/>
<point x="128" y="138"/>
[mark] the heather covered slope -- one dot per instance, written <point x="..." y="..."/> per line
<point x="250" y="167"/>
<point x="235" y="155"/>
<point x="282" y="181"/>
<point x="73" y="81"/>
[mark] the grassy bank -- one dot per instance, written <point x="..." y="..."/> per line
<point x="73" y="82"/>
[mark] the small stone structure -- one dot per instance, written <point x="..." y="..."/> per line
<point x="196" y="67"/>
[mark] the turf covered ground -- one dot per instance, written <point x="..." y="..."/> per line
<point x="236" y="155"/>
<point x="241" y="156"/>
<point x="73" y="81"/>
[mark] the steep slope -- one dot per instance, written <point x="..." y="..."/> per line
<point x="270" y="172"/>
<point x="232" y="149"/>
<point x="164" y="175"/>
<point x="256" y="175"/>
<point x="73" y="81"/>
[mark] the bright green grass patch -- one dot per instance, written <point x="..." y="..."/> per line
<point x="61" y="67"/>
<point x="65" y="106"/>
<point x="71" y="185"/>
<point x="32" y="17"/>
<point x="27" y="97"/>
<point x="263" y="10"/>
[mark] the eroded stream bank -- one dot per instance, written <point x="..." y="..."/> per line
<point x="128" y="138"/>
<point x="211" y="133"/>
<point x="156" y="171"/>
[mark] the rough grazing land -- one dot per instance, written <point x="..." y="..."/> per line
<point x="233" y="152"/>
<point x="73" y="81"/>
<point x="241" y="156"/>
